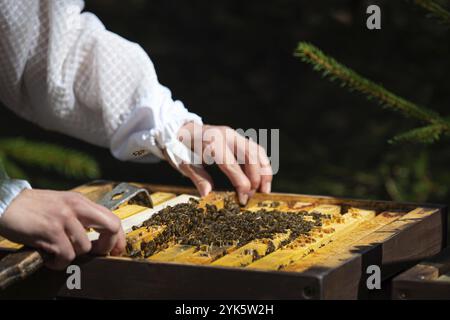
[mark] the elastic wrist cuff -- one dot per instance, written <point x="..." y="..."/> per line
<point x="9" y="190"/>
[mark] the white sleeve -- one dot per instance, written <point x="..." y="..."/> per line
<point x="9" y="189"/>
<point x="63" y="70"/>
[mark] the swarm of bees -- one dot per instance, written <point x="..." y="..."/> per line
<point x="209" y="227"/>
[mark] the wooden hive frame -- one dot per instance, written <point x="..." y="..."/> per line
<point x="430" y="279"/>
<point x="334" y="271"/>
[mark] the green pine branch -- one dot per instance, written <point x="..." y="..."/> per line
<point x="435" y="9"/>
<point x="49" y="157"/>
<point x="15" y="171"/>
<point x="333" y="70"/>
<point x="425" y="135"/>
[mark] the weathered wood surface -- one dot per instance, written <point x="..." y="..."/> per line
<point x="284" y="257"/>
<point x="393" y="246"/>
<point x="399" y="235"/>
<point x="430" y="279"/>
<point x="18" y="266"/>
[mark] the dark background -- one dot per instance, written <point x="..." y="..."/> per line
<point x="232" y="63"/>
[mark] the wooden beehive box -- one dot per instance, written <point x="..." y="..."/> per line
<point x="430" y="279"/>
<point x="391" y="235"/>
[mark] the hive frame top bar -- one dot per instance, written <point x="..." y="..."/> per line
<point x="390" y="248"/>
<point x="379" y="205"/>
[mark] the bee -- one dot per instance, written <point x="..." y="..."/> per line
<point x="216" y="229"/>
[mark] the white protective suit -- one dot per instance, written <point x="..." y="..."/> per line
<point x="62" y="70"/>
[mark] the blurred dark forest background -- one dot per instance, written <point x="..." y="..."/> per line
<point x="232" y="62"/>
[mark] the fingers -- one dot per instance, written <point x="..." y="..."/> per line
<point x="229" y="149"/>
<point x="266" y="171"/>
<point x="247" y="153"/>
<point x="119" y="247"/>
<point x="105" y="243"/>
<point x="256" y="163"/>
<point x="199" y="176"/>
<point x="62" y="251"/>
<point x="243" y="161"/>
<point x="107" y="224"/>
<point x="234" y="172"/>
<point x="78" y="237"/>
<point x="93" y="215"/>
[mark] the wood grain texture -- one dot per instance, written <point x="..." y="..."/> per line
<point x="242" y="256"/>
<point x="393" y="247"/>
<point x="427" y="280"/>
<point x="332" y="255"/>
<point x="18" y="266"/>
<point x="292" y="253"/>
<point x="335" y="271"/>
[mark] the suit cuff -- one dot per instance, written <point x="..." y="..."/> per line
<point x="9" y="190"/>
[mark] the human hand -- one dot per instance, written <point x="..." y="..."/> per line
<point x="56" y="222"/>
<point x="243" y="161"/>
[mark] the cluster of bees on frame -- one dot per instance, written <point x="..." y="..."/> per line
<point x="210" y="228"/>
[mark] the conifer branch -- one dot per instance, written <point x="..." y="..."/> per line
<point x="67" y="162"/>
<point x="435" y="9"/>
<point x="13" y="170"/>
<point x="333" y="70"/>
<point x="425" y="135"/>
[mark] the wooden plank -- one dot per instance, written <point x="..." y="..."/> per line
<point x="178" y="190"/>
<point x="188" y="254"/>
<point x="214" y="198"/>
<point x="415" y="235"/>
<point x="171" y="253"/>
<point x="129" y="210"/>
<point x="257" y="249"/>
<point x="94" y="191"/>
<point x="120" y="278"/>
<point x="300" y="248"/>
<point x="9" y="245"/>
<point x="332" y="255"/>
<point x="246" y="254"/>
<point x="430" y="279"/>
<point x="250" y="252"/>
<point x="377" y="205"/>
<point x="161" y="197"/>
<point x="207" y="256"/>
<point x="204" y="255"/>
<point x="444" y="277"/>
<point x="104" y="278"/>
<point x="422" y="290"/>
<point x="137" y="219"/>
<point x="148" y="234"/>
<point x="143" y="234"/>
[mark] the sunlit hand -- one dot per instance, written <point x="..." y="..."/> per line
<point x="243" y="161"/>
<point x="56" y="222"/>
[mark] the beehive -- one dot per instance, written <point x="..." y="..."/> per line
<point x="330" y="261"/>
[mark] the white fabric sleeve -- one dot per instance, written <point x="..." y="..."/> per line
<point x="61" y="69"/>
<point x="9" y="190"/>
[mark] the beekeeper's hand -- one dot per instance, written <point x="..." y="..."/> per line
<point x="243" y="161"/>
<point x="56" y="222"/>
